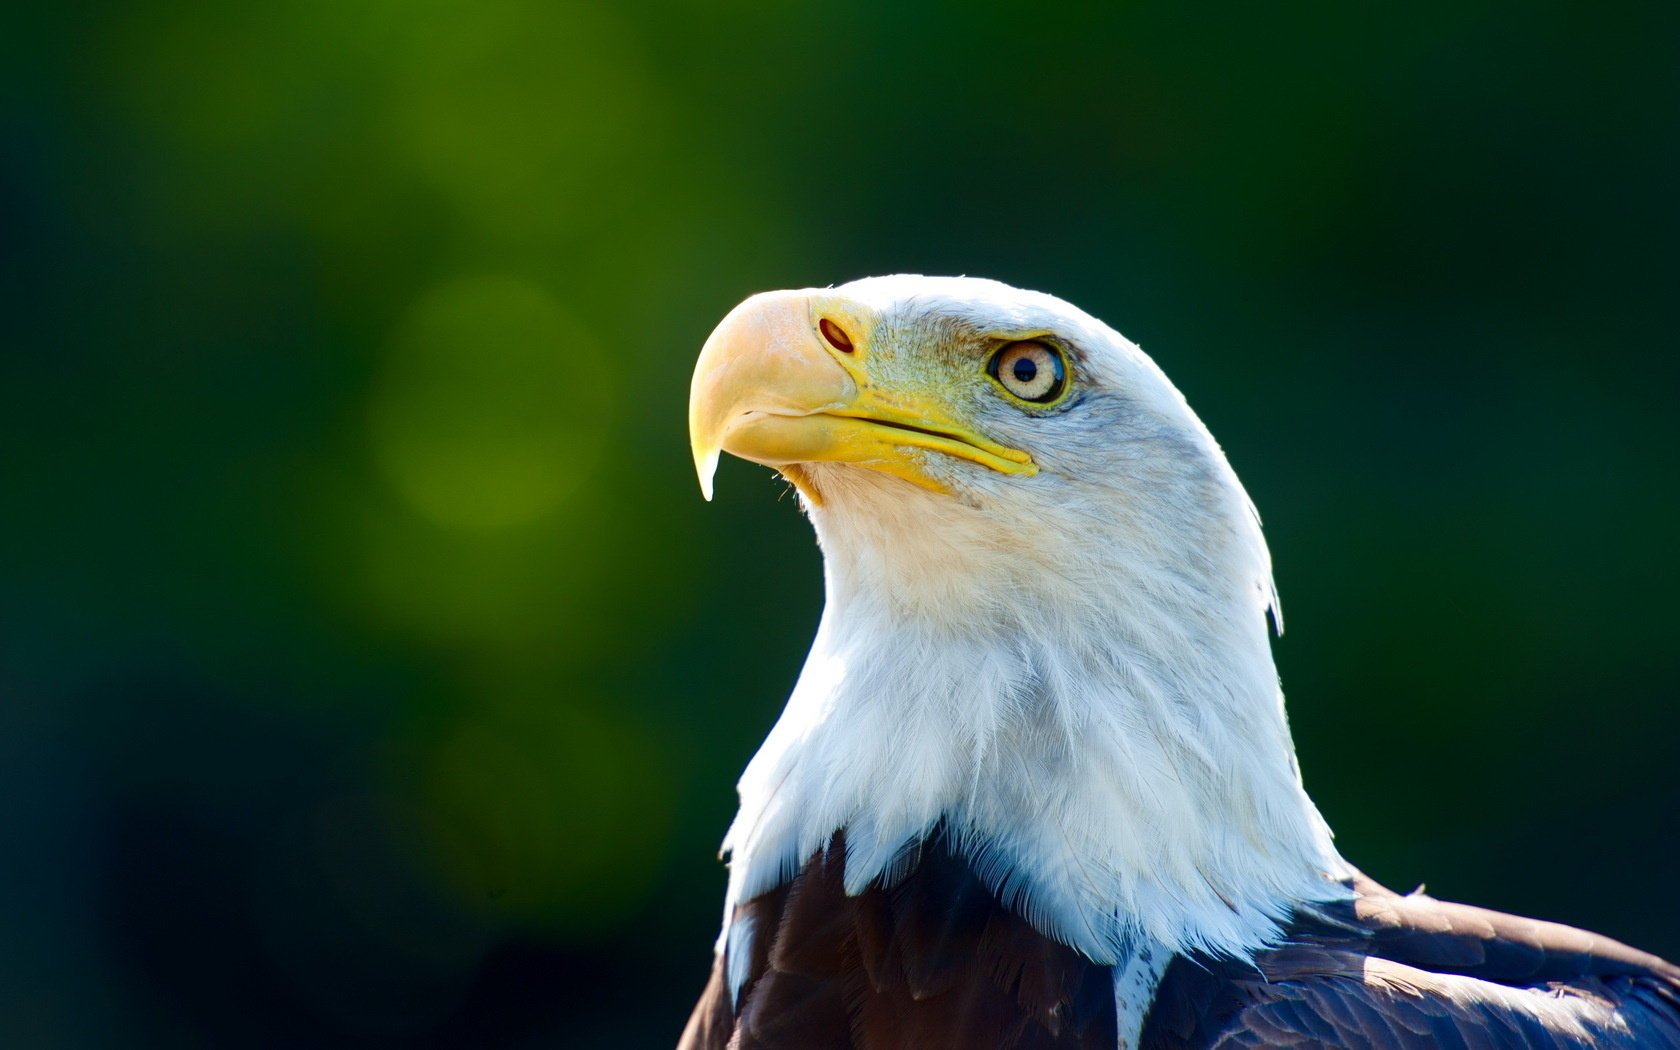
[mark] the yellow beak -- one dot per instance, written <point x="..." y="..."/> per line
<point x="769" y="388"/>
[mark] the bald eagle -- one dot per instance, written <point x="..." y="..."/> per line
<point x="1035" y="786"/>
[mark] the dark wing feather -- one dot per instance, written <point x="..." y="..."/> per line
<point x="1459" y="938"/>
<point x="1411" y="972"/>
<point x="936" y="962"/>
<point x="932" y="962"/>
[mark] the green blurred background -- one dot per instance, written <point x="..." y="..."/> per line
<point x="371" y="672"/>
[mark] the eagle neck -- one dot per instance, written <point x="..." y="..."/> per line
<point x="1113" y="759"/>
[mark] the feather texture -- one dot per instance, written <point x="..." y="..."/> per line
<point x="933" y="961"/>
<point x="937" y="962"/>
<point x="1403" y="972"/>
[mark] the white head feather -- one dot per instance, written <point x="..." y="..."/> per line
<point x="1070" y="671"/>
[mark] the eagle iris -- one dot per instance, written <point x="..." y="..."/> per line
<point x="1029" y="370"/>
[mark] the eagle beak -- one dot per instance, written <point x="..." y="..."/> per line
<point x="785" y="380"/>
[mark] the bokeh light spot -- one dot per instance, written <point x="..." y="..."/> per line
<point x="492" y="405"/>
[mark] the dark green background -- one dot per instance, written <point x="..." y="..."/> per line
<point x="373" y="674"/>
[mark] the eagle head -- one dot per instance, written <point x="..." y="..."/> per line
<point x="1045" y="627"/>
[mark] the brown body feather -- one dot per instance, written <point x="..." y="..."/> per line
<point x="935" y="962"/>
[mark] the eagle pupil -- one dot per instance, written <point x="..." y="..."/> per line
<point x="1025" y="371"/>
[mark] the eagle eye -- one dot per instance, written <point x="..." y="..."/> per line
<point x="1030" y="370"/>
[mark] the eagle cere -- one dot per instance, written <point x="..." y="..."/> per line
<point x="1035" y="786"/>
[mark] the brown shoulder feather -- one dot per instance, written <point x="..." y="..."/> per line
<point x="932" y="962"/>
<point x="1393" y="971"/>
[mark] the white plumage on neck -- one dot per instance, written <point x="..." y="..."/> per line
<point x="1071" y="674"/>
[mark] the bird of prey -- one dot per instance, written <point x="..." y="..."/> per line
<point x="1034" y="786"/>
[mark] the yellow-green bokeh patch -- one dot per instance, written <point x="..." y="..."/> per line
<point x="492" y="404"/>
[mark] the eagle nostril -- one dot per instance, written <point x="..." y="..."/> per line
<point x="835" y="335"/>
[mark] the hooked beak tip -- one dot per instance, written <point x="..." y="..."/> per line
<point x="705" y="466"/>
